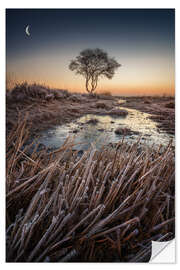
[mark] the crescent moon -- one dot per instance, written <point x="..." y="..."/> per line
<point x="27" y="30"/>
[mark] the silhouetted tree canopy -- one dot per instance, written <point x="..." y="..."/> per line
<point x="92" y="64"/>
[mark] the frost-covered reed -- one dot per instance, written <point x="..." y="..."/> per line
<point x="106" y="205"/>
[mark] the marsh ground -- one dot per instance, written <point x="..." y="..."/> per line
<point x="45" y="108"/>
<point x="105" y="205"/>
<point x="162" y="110"/>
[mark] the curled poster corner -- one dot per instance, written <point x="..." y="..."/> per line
<point x="163" y="252"/>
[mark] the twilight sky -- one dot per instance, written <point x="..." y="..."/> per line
<point x="142" y="40"/>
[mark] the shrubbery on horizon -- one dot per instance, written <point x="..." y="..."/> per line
<point x="23" y="91"/>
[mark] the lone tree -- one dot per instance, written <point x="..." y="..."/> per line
<point x="93" y="64"/>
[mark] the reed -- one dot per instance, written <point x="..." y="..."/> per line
<point x="106" y="205"/>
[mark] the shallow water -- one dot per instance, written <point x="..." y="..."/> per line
<point x="103" y="132"/>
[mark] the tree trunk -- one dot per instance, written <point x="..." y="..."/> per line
<point x="87" y="86"/>
<point x="92" y="83"/>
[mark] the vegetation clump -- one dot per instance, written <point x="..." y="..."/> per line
<point x="102" y="105"/>
<point x="92" y="121"/>
<point x="24" y="92"/>
<point x="125" y="131"/>
<point x="118" y="112"/>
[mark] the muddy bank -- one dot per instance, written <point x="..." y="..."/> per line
<point x="43" y="114"/>
<point x="103" y="129"/>
<point x="162" y="110"/>
<point x="45" y="108"/>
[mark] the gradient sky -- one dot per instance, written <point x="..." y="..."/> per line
<point x="142" y="40"/>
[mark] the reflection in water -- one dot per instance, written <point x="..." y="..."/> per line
<point x="103" y="131"/>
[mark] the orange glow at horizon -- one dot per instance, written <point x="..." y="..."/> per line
<point x="144" y="75"/>
<point x="109" y="86"/>
<point x="123" y="90"/>
<point x="141" y="40"/>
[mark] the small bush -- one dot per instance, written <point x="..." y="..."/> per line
<point x="24" y="91"/>
<point x="106" y="93"/>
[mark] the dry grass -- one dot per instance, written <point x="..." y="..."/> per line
<point x="103" y="206"/>
<point x="161" y="110"/>
<point x="48" y="107"/>
<point x="24" y="92"/>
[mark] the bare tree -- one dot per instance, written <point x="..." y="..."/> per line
<point x="93" y="64"/>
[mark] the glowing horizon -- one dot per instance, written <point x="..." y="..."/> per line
<point x="146" y="51"/>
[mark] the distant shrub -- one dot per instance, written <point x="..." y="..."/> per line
<point x="106" y="93"/>
<point x="24" y="91"/>
<point x="60" y="93"/>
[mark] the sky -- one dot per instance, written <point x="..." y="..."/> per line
<point x="141" y="40"/>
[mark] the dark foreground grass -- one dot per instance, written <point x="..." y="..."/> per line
<point x="104" y="206"/>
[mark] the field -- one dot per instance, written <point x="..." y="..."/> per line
<point x="104" y="205"/>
